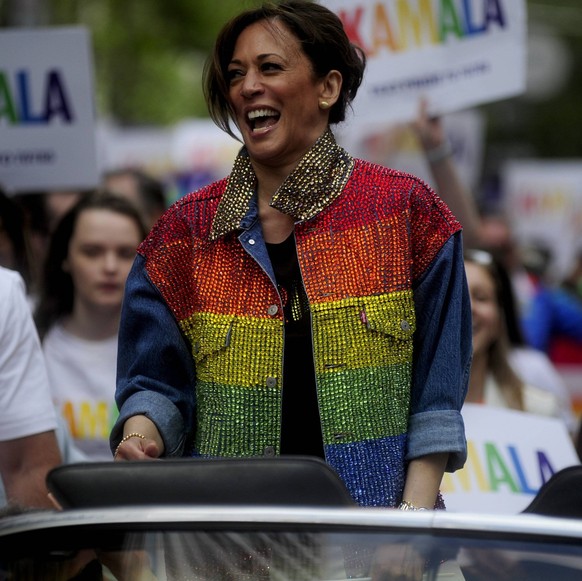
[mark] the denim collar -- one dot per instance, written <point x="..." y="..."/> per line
<point x="313" y="185"/>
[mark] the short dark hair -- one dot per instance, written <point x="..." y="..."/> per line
<point x="322" y="37"/>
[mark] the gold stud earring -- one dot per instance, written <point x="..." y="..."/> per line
<point x="324" y="105"/>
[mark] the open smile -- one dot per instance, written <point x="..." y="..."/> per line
<point x="261" y="120"/>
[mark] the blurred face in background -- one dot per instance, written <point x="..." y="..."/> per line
<point x="101" y="252"/>
<point x="487" y="316"/>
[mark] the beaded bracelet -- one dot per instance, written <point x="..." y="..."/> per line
<point x="125" y="438"/>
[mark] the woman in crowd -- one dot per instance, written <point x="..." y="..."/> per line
<point x="493" y="378"/>
<point x="311" y="303"/>
<point x="88" y="260"/>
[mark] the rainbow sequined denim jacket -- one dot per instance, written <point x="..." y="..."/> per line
<point x="365" y="236"/>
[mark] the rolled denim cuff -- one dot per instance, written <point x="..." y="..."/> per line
<point x="160" y="410"/>
<point x="434" y="432"/>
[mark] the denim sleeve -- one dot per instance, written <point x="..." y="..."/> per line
<point x="155" y="370"/>
<point x="442" y="360"/>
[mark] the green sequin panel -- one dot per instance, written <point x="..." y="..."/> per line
<point x="363" y="404"/>
<point x="235" y="421"/>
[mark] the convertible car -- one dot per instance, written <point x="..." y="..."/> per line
<point x="273" y="519"/>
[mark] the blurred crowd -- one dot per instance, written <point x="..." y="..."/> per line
<point x="72" y="251"/>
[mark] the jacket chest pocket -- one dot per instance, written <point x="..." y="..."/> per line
<point x="211" y="344"/>
<point x="235" y="351"/>
<point x="370" y="332"/>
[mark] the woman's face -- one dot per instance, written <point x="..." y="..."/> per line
<point x="101" y="252"/>
<point x="274" y="95"/>
<point x="484" y="307"/>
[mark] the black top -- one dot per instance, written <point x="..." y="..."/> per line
<point x="300" y="423"/>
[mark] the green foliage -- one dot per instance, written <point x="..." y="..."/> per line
<point x="149" y="54"/>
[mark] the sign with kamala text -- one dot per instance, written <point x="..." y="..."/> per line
<point x="510" y="455"/>
<point x="47" y="129"/>
<point x="456" y="53"/>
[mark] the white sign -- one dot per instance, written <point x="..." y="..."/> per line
<point x="543" y="200"/>
<point x="458" y="53"/>
<point x="510" y="455"/>
<point x="47" y="132"/>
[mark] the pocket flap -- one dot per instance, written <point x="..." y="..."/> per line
<point x="210" y="337"/>
<point x="392" y="315"/>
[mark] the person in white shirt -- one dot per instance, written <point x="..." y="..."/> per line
<point x="28" y="442"/>
<point x="88" y="260"/>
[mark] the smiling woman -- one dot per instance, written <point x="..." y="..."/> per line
<point x="309" y="304"/>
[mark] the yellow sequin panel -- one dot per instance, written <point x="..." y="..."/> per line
<point x="363" y="332"/>
<point x="229" y="350"/>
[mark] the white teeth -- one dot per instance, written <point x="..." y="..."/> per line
<point x="262" y="113"/>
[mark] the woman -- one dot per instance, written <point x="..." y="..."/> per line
<point x="88" y="260"/>
<point x="493" y="379"/>
<point x="274" y="312"/>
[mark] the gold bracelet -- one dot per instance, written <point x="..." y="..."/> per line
<point x="125" y="438"/>
<point x="405" y="505"/>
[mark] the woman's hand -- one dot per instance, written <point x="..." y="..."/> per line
<point x="141" y="440"/>
<point x="137" y="448"/>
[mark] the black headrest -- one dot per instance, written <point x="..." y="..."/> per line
<point x="561" y="495"/>
<point x="286" y="480"/>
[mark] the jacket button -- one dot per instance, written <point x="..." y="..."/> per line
<point x="271" y="381"/>
<point x="269" y="451"/>
<point x="273" y="310"/>
<point x="405" y="325"/>
<point x="252" y="241"/>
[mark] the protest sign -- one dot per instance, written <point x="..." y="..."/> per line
<point x="543" y="200"/>
<point x="457" y="53"/>
<point x="47" y="132"/>
<point x="510" y="455"/>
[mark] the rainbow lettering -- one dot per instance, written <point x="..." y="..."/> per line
<point x="495" y="469"/>
<point x="16" y="104"/>
<point x="399" y="25"/>
<point x="531" y="200"/>
<point x="89" y="420"/>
